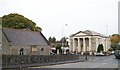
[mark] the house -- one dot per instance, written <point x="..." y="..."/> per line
<point x="24" y="42"/>
<point x="88" y="41"/>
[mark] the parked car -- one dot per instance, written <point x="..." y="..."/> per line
<point x="112" y="52"/>
<point x="99" y="54"/>
<point x="69" y="53"/>
<point x="117" y="54"/>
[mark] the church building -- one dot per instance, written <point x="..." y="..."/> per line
<point x="88" y="41"/>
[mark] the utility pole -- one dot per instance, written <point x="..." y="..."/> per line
<point x="106" y="30"/>
<point x="62" y="38"/>
<point x="106" y="38"/>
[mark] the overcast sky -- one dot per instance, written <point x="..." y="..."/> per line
<point x="79" y="15"/>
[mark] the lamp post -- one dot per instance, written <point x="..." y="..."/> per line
<point x="86" y="53"/>
<point x="0" y="47"/>
<point x="106" y="38"/>
<point x="106" y="30"/>
<point x="62" y="39"/>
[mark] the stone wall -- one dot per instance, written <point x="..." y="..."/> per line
<point x="27" y="59"/>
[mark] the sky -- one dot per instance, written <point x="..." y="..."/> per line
<point x="52" y="15"/>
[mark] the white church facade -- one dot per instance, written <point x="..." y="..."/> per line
<point x="88" y="41"/>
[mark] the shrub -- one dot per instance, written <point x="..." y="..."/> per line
<point x="110" y="49"/>
<point x="100" y="48"/>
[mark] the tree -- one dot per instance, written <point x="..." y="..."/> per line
<point x="59" y="48"/>
<point x="113" y="47"/>
<point x="115" y="40"/>
<point x="110" y="49"/>
<point x="18" y="21"/>
<point x="63" y="39"/>
<point x="52" y="40"/>
<point x="100" y="48"/>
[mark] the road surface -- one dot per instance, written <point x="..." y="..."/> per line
<point x="92" y="62"/>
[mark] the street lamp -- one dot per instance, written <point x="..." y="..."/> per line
<point x="62" y="38"/>
<point x="106" y="37"/>
<point x="86" y="53"/>
<point x="0" y="45"/>
<point x="106" y="30"/>
<point x="1" y="48"/>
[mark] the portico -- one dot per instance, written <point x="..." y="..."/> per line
<point x="81" y="44"/>
<point x="88" y="41"/>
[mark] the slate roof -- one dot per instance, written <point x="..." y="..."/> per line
<point x="90" y="32"/>
<point x="24" y="37"/>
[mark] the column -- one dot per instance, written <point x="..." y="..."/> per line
<point x="103" y="41"/>
<point x="84" y="45"/>
<point x="106" y="45"/>
<point x="79" y="47"/>
<point x="90" y="46"/>
<point x="96" y="44"/>
<point x="73" y="44"/>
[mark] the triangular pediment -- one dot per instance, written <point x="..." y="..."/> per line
<point x="79" y="34"/>
<point x="87" y="33"/>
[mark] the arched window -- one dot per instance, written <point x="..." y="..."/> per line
<point x="42" y="49"/>
<point x="21" y="51"/>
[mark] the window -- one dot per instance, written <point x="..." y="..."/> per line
<point x="21" y="51"/>
<point x="34" y="48"/>
<point x="42" y="49"/>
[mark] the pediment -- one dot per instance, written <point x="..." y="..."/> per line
<point x="80" y="34"/>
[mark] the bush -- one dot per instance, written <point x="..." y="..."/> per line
<point x="110" y="49"/>
<point x="100" y="48"/>
<point x="118" y="48"/>
<point x="113" y="46"/>
<point x="60" y="50"/>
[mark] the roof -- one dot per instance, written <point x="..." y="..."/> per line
<point x="24" y="37"/>
<point x="89" y="32"/>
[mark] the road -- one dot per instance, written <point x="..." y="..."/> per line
<point x="92" y="62"/>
